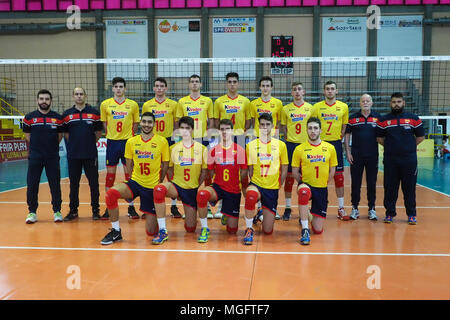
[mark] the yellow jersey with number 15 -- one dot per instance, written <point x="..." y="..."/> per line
<point x="119" y="118"/>
<point x="147" y="157"/>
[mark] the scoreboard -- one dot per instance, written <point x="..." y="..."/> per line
<point x="282" y="46"/>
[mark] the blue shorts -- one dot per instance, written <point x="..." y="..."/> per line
<point x="187" y="196"/>
<point x="290" y="146"/>
<point x="269" y="198"/>
<point x="319" y="201"/>
<point x="115" y="151"/>
<point x="231" y="202"/>
<point x="145" y="195"/>
<point x="339" y="153"/>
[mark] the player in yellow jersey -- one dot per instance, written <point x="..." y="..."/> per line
<point x="313" y="165"/>
<point x="198" y="107"/>
<point x="147" y="157"/>
<point x="187" y="169"/>
<point x="265" y="104"/>
<point x="333" y="115"/>
<point x="164" y="110"/>
<point x="120" y="117"/>
<point x="293" y="127"/>
<point x="235" y="107"/>
<point x="267" y="166"/>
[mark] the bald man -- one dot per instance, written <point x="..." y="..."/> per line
<point x="363" y="154"/>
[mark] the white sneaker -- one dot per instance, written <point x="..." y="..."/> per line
<point x="210" y="214"/>
<point x="57" y="217"/>
<point x="277" y="216"/>
<point x="218" y="215"/>
<point x="372" y="215"/>
<point x="31" y="218"/>
<point x="355" y="214"/>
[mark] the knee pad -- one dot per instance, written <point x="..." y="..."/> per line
<point x="232" y="230"/>
<point x="268" y="232"/>
<point x="203" y="198"/>
<point x="339" y="180"/>
<point x="189" y="229"/>
<point x="111" y="198"/>
<point x="289" y="183"/>
<point x="159" y="193"/>
<point x="151" y="234"/>
<point x="127" y="176"/>
<point x="316" y="231"/>
<point x="110" y="178"/>
<point x="304" y="194"/>
<point x="251" y="198"/>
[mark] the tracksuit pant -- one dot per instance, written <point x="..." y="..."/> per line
<point x="370" y="164"/>
<point x="400" y="170"/>
<point x="52" y="170"/>
<point x="90" y="167"/>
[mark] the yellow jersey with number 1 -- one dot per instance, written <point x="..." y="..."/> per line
<point x="119" y="118"/>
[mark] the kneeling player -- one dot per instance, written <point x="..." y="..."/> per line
<point x="187" y="169"/>
<point x="227" y="162"/>
<point x="267" y="166"/>
<point x="317" y="161"/>
<point x="144" y="155"/>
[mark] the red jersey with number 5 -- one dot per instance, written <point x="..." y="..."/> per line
<point x="227" y="163"/>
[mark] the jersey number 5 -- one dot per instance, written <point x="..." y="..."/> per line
<point x="187" y="174"/>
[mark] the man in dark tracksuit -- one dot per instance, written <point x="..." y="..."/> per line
<point x="362" y="127"/>
<point x="43" y="131"/>
<point x="400" y="132"/>
<point x="82" y="129"/>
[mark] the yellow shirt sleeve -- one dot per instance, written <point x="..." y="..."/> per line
<point x="136" y="113"/>
<point x="283" y="119"/>
<point x="210" y="111"/>
<point x="165" y="154"/>
<point x="205" y="158"/>
<point x="216" y="108"/>
<point x="345" y="116"/>
<point x="103" y="114"/>
<point x="333" y="157"/>
<point x="129" y="150"/>
<point x="170" y="155"/>
<point x="296" y="157"/>
<point x="284" y="159"/>
<point x="180" y="112"/>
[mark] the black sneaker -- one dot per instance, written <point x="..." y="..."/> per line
<point x="287" y="214"/>
<point x="72" y="215"/>
<point x="95" y="215"/>
<point x="175" y="212"/>
<point x="112" y="236"/>
<point x="132" y="214"/>
<point x="105" y="216"/>
<point x="258" y="217"/>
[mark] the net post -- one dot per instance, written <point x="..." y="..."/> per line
<point x="99" y="49"/>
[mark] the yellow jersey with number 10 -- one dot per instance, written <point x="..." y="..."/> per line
<point x="165" y="114"/>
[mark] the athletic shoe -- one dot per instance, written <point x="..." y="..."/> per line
<point x="132" y="214"/>
<point x="57" y="217"/>
<point x="259" y="216"/>
<point x="161" y="237"/>
<point x="112" y="236"/>
<point x="388" y="219"/>
<point x="174" y="211"/>
<point x="412" y="220"/>
<point x="224" y="220"/>
<point x="31" y="218"/>
<point x="218" y="215"/>
<point x="355" y="214"/>
<point x="72" y="215"/>
<point x="204" y="235"/>
<point x="95" y="214"/>
<point x="210" y="214"/>
<point x="372" y="215"/>
<point x="343" y="215"/>
<point x="248" y="238"/>
<point x="287" y="214"/>
<point x="277" y="216"/>
<point x="305" y="239"/>
<point x="105" y="216"/>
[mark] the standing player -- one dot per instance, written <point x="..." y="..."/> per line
<point x="147" y="157"/>
<point x="265" y="104"/>
<point x="294" y="117"/>
<point x="235" y="107"/>
<point x="164" y="110"/>
<point x="362" y="127"/>
<point x="317" y="161"/>
<point x="43" y="131"/>
<point x="334" y="117"/>
<point x="82" y="129"/>
<point x="400" y="132"/>
<point x="187" y="167"/>
<point x="120" y="117"/>
<point x="227" y="163"/>
<point x="267" y="165"/>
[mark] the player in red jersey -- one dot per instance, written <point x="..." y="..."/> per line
<point x="228" y="164"/>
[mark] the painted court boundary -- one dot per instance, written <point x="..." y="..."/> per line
<point x="233" y="252"/>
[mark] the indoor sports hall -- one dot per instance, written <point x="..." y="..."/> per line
<point x="376" y="47"/>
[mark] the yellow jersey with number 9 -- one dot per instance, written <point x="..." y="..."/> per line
<point x="119" y="118"/>
<point x="295" y="119"/>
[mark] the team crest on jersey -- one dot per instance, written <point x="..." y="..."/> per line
<point x="329" y="116"/>
<point x="389" y="122"/>
<point x="357" y="119"/>
<point x="231" y="109"/>
<point x="34" y="120"/>
<point x="315" y="158"/>
<point x="144" y="154"/>
<point x="71" y="116"/>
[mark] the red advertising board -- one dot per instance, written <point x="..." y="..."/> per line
<point x="13" y="150"/>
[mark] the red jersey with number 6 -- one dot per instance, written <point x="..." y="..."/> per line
<point x="227" y="163"/>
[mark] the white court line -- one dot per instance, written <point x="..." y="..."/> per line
<point x="235" y="252"/>
<point x="169" y="204"/>
<point x="433" y="190"/>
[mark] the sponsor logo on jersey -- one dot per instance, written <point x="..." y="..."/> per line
<point x="265" y="157"/>
<point x="231" y="109"/>
<point x="329" y="116"/>
<point x="119" y="114"/>
<point x="297" y="117"/>
<point x="261" y="111"/>
<point x="192" y="111"/>
<point x="144" y="154"/>
<point x="185" y="161"/>
<point x="159" y="113"/>
<point x="315" y="158"/>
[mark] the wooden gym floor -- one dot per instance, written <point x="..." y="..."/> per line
<point x="350" y="260"/>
